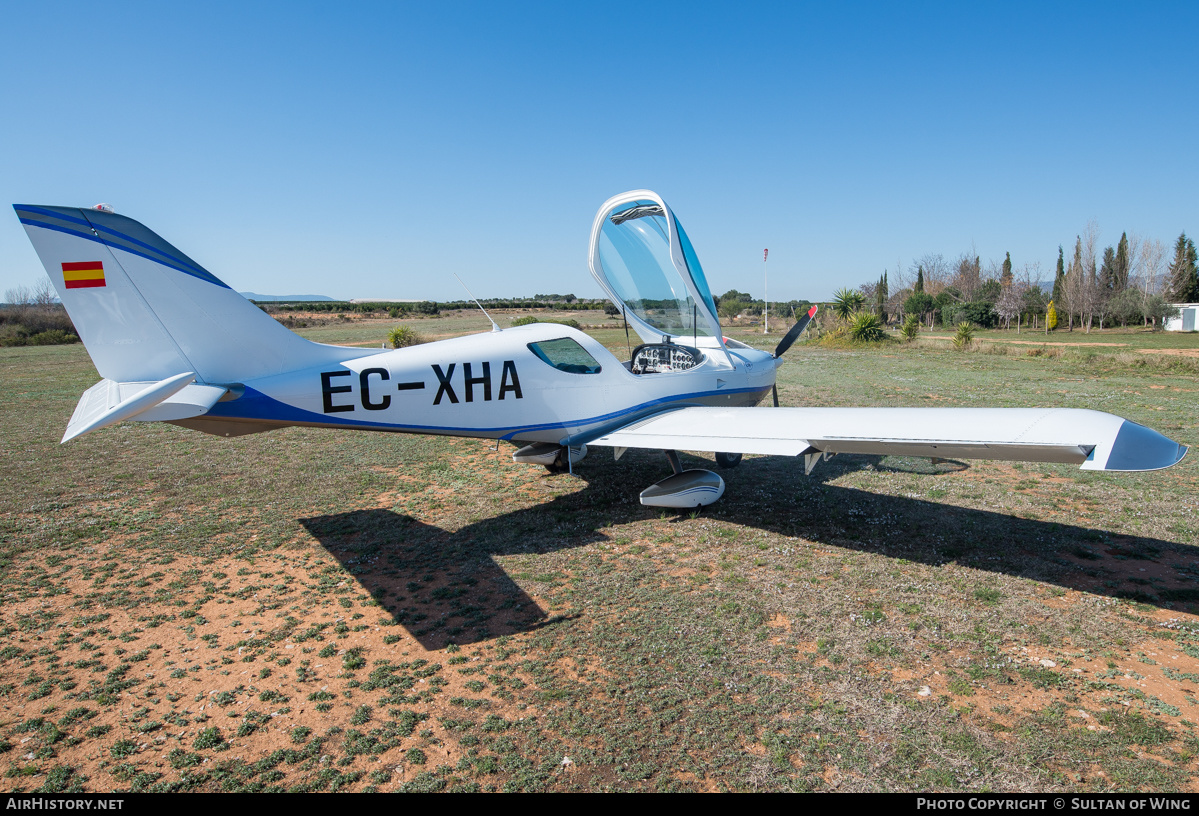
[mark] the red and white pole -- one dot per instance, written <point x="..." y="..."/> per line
<point x="765" y="295"/>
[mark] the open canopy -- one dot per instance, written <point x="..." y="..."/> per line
<point x="644" y="261"/>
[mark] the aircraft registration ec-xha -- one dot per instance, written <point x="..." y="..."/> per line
<point x="175" y="344"/>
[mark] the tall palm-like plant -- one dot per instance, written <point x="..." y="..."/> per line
<point x="964" y="338"/>
<point x="846" y="302"/>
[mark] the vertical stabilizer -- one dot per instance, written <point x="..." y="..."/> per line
<point x="147" y="312"/>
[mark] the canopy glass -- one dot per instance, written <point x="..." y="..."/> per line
<point x="652" y="270"/>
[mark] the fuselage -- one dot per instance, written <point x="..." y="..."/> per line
<point x="499" y="385"/>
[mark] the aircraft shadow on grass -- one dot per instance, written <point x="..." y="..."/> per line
<point x="446" y="587"/>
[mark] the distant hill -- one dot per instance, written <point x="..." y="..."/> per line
<point x="297" y="298"/>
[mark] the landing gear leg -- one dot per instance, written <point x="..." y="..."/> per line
<point x="673" y="456"/>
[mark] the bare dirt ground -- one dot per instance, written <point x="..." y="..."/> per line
<point x="1180" y="352"/>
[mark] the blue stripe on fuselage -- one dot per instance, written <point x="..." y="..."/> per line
<point x="255" y="405"/>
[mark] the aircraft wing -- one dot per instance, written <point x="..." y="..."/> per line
<point x="1092" y="439"/>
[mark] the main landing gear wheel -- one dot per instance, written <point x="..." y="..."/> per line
<point x="728" y="460"/>
<point x="561" y="464"/>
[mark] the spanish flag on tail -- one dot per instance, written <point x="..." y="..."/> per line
<point x="84" y="275"/>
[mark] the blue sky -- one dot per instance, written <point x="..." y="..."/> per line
<point x="374" y="149"/>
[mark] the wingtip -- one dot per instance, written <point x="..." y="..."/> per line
<point x="1137" y="448"/>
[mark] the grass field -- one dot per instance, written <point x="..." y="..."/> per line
<point x="324" y="610"/>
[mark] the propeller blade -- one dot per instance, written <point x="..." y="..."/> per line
<point x="796" y="330"/>
<point x="775" y="390"/>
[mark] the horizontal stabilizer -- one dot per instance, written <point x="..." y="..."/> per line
<point x="1091" y="439"/>
<point x="107" y="403"/>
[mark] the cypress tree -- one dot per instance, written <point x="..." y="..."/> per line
<point x="1184" y="283"/>
<point x="1059" y="279"/>
<point x="1006" y="277"/>
<point x="1122" y="263"/>
<point x="1107" y="273"/>
<point x="919" y="280"/>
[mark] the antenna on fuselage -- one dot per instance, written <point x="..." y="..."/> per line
<point x="494" y="327"/>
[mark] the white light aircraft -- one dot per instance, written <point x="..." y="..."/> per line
<point x="175" y="344"/>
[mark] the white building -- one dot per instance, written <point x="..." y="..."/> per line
<point x="1187" y="320"/>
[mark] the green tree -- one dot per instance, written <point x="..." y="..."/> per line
<point x="989" y="292"/>
<point x="1107" y="272"/>
<point x="1126" y="306"/>
<point x="1184" y="283"/>
<point x="729" y="308"/>
<point x="1034" y="301"/>
<point x="919" y="280"/>
<point x="880" y="298"/>
<point x="1159" y="311"/>
<point x="946" y="299"/>
<point x="1059" y="278"/>
<point x="1122" y="263"/>
<point x="1005" y="278"/>
<point x="918" y="304"/>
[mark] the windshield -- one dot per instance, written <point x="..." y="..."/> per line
<point x="566" y="355"/>
<point x="634" y="252"/>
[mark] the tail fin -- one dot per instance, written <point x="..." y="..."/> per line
<point x="146" y="312"/>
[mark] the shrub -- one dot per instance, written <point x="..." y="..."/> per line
<point x="402" y="337"/>
<point x="35" y="324"/>
<point x="865" y="327"/>
<point x="123" y="748"/>
<point x="978" y="312"/>
<point x="964" y="338"/>
<point x="208" y="738"/>
<point x="910" y="328"/>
